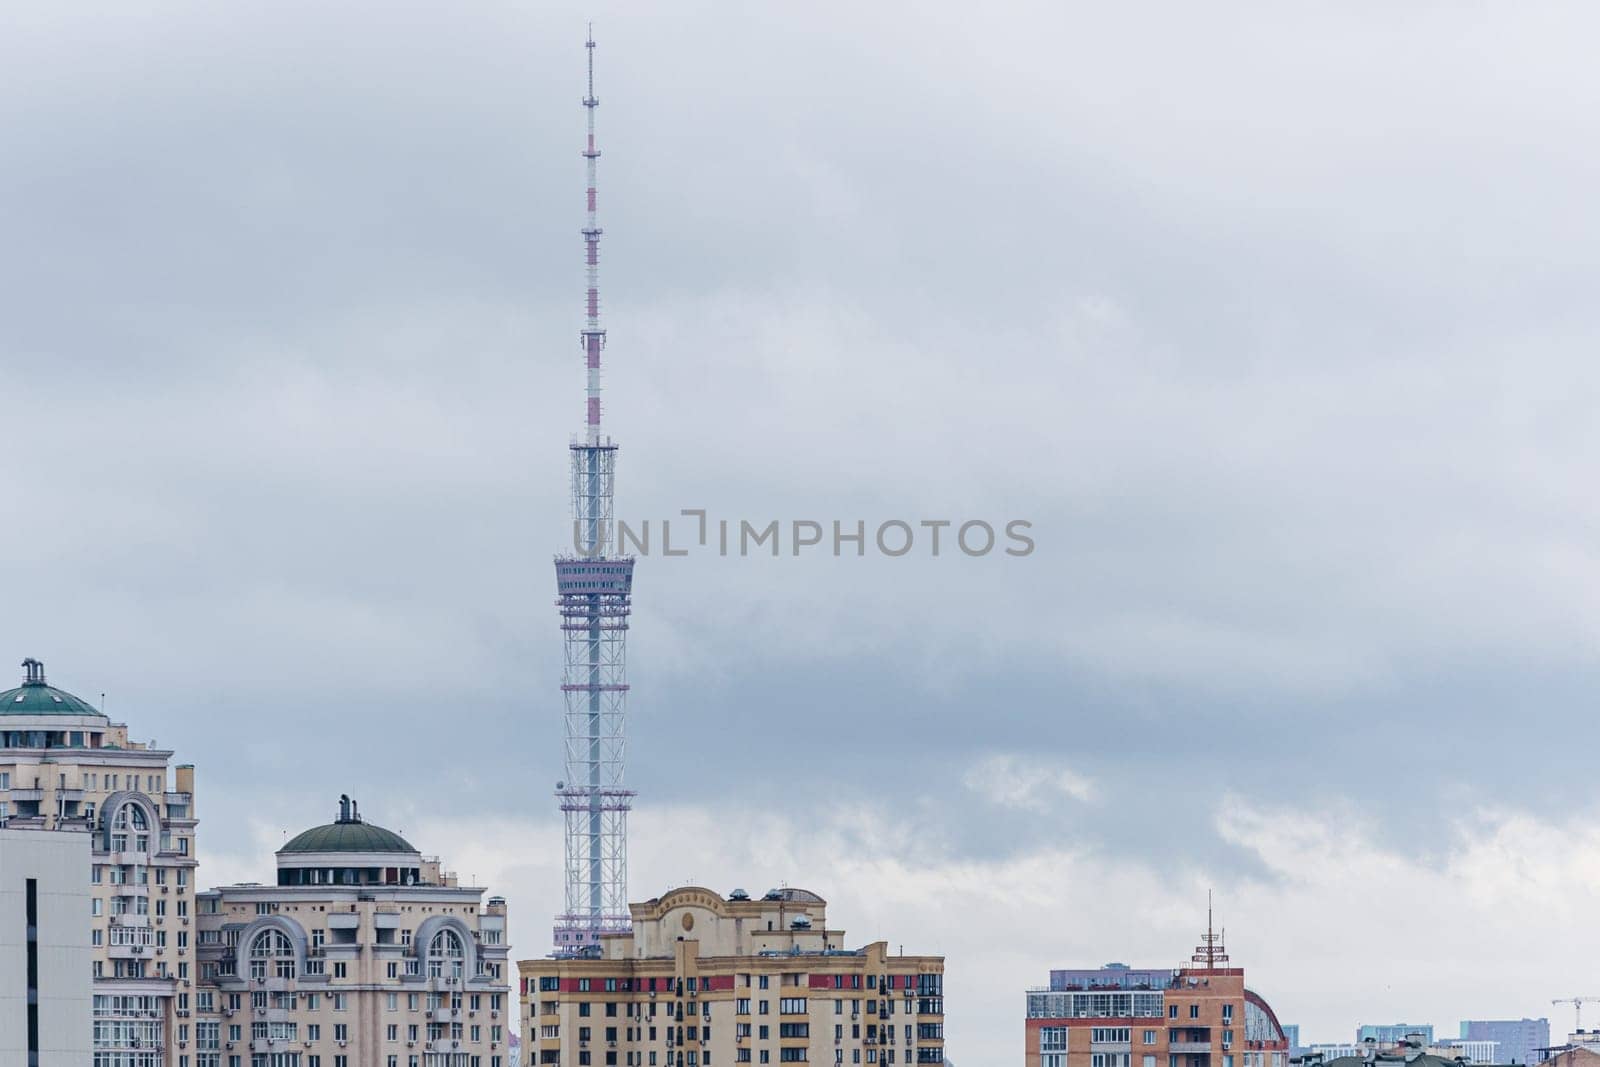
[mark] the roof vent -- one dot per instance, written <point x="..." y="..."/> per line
<point x="348" y="811"/>
<point x="801" y="922"/>
<point x="32" y="671"/>
<point x="738" y="894"/>
<point x="773" y="894"/>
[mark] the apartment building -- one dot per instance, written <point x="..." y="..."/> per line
<point x="1116" y="1016"/>
<point x="45" y="957"/>
<point x="364" y="953"/>
<point x="66" y="766"/>
<point x="704" y="980"/>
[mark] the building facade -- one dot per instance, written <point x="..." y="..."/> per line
<point x="66" y="766"/>
<point x="1115" y="1016"/>
<point x="1520" y="1040"/>
<point x="1393" y="1035"/>
<point x="364" y="953"/>
<point x="45" y="956"/>
<point x="704" y="980"/>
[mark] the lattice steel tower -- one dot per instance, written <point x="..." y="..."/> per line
<point x="595" y="591"/>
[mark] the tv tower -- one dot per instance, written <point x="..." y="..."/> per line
<point x="595" y="590"/>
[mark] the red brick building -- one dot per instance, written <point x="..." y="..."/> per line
<point x="1116" y="1016"/>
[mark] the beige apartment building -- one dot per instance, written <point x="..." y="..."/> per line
<point x="364" y="953"/>
<point x="65" y="766"/>
<point x="705" y="980"/>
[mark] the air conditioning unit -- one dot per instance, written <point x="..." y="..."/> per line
<point x="163" y="889"/>
<point x="261" y="1011"/>
<point x="230" y="1043"/>
<point x="342" y="1043"/>
<point x="411" y="1044"/>
<point x="184" y="920"/>
<point x="494" y="1013"/>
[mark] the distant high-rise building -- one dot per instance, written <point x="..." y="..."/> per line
<point x="1520" y="1040"/>
<point x="1291" y="1033"/>
<point x="65" y="766"/>
<point x="1117" y="1016"/>
<point x="1388" y="1035"/>
<point x="45" y="956"/>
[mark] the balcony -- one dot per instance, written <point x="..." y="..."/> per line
<point x="1189" y="1047"/>
<point x="130" y="952"/>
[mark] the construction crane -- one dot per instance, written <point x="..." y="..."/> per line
<point x="1577" y="1008"/>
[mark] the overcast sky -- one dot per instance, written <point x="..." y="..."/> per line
<point x="1277" y="321"/>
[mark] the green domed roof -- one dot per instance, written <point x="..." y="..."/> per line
<point x="35" y="697"/>
<point x="347" y="834"/>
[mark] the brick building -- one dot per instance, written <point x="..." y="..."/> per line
<point x="1116" y="1016"/>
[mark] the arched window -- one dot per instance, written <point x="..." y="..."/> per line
<point x="130" y="824"/>
<point x="272" y="955"/>
<point x="445" y="955"/>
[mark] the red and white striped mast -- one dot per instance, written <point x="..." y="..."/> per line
<point x="595" y="600"/>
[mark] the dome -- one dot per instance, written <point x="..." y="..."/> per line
<point x="36" y="697"/>
<point x="348" y="834"/>
<point x="348" y="837"/>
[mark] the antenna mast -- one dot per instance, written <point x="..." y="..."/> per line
<point x="595" y="598"/>
<point x="1213" y="950"/>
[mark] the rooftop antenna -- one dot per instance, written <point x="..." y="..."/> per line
<point x="1213" y="949"/>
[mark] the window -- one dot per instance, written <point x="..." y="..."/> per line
<point x="446" y="957"/>
<point x="1194" y="1011"/>
<point x="1149" y="1037"/>
<point x="272" y="955"/>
